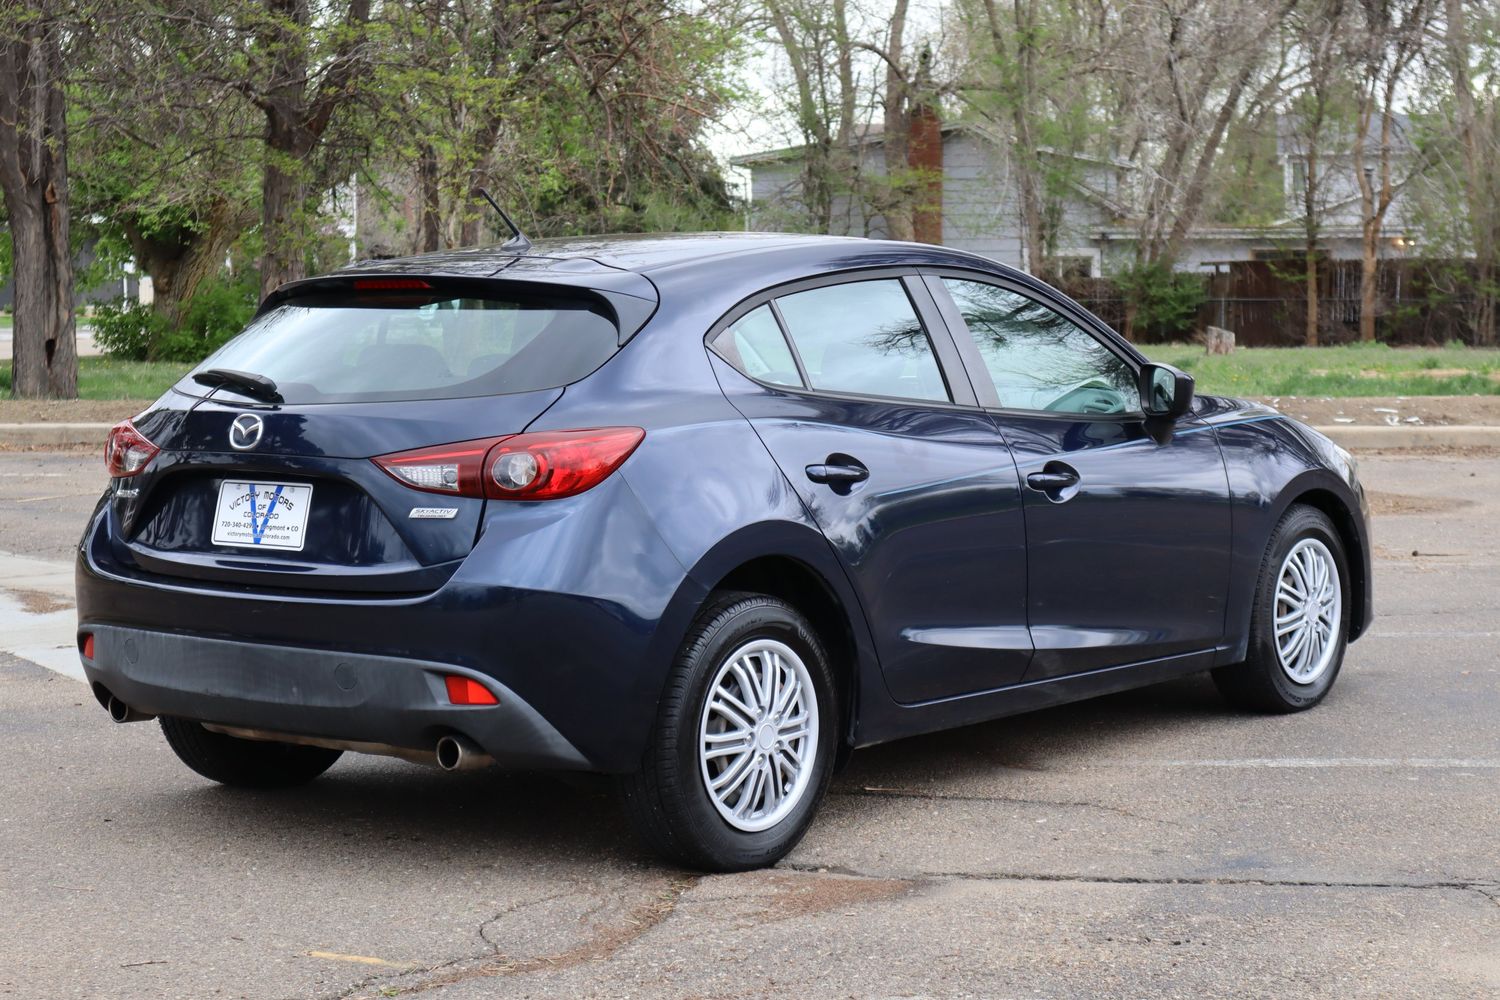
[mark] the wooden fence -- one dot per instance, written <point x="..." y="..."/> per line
<point x="1264" y="303"/>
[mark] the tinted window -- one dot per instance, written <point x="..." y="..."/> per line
<point x="1040" y="360"/>
<point x="327" y="349"/>
<point x="754" y="344"/>
<point x="865" y="338"/>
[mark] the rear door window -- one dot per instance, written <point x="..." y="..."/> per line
<point x="865" y="338"/>
<point x="343" y="348"/>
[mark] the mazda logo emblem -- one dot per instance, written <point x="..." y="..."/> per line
<point x="245" y="432"/>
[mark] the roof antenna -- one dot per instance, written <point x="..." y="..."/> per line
<point x="518" y="241"/>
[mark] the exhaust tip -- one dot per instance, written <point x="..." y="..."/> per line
<point x="457" y="753"/>
<point x="121" y="712"/>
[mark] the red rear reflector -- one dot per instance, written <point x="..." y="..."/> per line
<point x="127" y="451"/>
<point x="388" y="284"/>
<point x="467" y="691"/>
<point x="88" y="646"/>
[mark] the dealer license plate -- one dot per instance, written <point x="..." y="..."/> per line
<point x="262" y="515"/>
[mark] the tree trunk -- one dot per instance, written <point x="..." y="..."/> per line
<point x="1369" y="269"/>
<point x="283" y="202"/>
<point x="34" y="176"/>
<point x="429" y="237"/>
<point x="1310" y="337"/>
<point x="180" y="261"/>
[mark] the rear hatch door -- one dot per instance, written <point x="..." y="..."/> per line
<point x="280" y="490"/>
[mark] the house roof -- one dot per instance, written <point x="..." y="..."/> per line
<point x="870" y="134"/>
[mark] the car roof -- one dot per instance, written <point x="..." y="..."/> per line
<point x="657" y="252"/>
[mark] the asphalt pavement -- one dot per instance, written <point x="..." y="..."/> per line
<point x="1152" y="844"/>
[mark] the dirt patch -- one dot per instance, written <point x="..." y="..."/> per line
<point x="798" y="895"/>
<point x="69" y="411"/>
<point x="1406" y="503"/>
<point x="37" y="603"/>
<point x="1374" y="411"/>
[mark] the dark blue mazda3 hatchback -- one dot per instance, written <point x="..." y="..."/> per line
<point x="702" y="512"/>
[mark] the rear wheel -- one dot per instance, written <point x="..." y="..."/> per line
<point x="1300" y="620"/>
<point x="744" y="740"/>
<point x="244" y="763"/>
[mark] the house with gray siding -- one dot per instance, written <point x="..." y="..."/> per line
<point x="980" y="214"/>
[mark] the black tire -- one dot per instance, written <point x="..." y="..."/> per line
<point x="1259" y="683"/>
<point x="244" y="763"/>
<point x="667" y="800"/>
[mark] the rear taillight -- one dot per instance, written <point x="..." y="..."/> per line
<point x="546" y="465"/>
<point x="552" y="464"/>
<point x="127" y="451"/>
<point x="456" y="469"/>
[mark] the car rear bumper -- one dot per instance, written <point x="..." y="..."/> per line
<point x="322" y="694"/>
<point x="570" y="612"/>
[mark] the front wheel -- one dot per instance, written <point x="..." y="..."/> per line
<point x="1299" y="624"/>
<point x="744" y="739"/>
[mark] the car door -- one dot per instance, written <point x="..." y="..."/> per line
<point x="1127" y="525"/>
<point x="871" y="418"/>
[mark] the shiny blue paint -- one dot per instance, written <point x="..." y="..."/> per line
<point x="960" y="593"/>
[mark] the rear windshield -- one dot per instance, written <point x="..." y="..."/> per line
<point x="335" y="349"/>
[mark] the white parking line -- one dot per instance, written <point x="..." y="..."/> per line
<point x="1458" y="763"/>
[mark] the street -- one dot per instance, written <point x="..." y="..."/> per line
<point x="1151" y="844"/>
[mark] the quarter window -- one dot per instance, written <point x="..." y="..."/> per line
<point x="1039" y="359"/>
<point x="754" y="344"/>
<point x="864" y="338"/>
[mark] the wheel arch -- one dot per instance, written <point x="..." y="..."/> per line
<point x="805" y="589"/>
<point x="1323" y="497"/>
<point x="794" y="562"/>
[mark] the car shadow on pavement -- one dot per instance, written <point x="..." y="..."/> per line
<point x="389" y="811"/>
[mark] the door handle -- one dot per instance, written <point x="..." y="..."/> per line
<point x="844" y="473"/>
<point x="1052" y="480"/>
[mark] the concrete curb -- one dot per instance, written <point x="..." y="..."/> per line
<point x="1350" y="436"/>
<point x="59" y="435"/>
<point x="1409" y="436"/>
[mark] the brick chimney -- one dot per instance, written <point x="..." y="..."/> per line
<point x="924" y="154"/>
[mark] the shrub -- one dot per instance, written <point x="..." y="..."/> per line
<point x="1166" y="301"/>
<point x="219" y="310"/>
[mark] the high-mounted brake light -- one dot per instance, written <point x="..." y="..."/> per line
<point x="547" y="465"/>
<point x="389" y="284"/>
<point x="127" y="451"/>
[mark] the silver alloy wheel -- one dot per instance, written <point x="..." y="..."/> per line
<point x="758" y="737"/>
<point x="1309" y="611"/>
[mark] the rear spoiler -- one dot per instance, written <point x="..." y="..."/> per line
<point x="630" y="298"/>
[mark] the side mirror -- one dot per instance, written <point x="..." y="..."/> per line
<point x="1165" y="391"/>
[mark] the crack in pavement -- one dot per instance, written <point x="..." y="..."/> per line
<point x="641" y="919"/>
<point x="912" y="793"/>
<point x="1481" y="886"/>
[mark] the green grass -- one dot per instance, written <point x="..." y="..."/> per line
<point x="106" y="378"/>
<point x="1362" y="370"/>
<point x="1355" y="370"/>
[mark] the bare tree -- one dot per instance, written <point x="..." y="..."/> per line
<point x="1385" y="45"/>
<point x="34" y="177"/>
<point x="1316" y="128"/>
<point x="1477" y="123"/>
